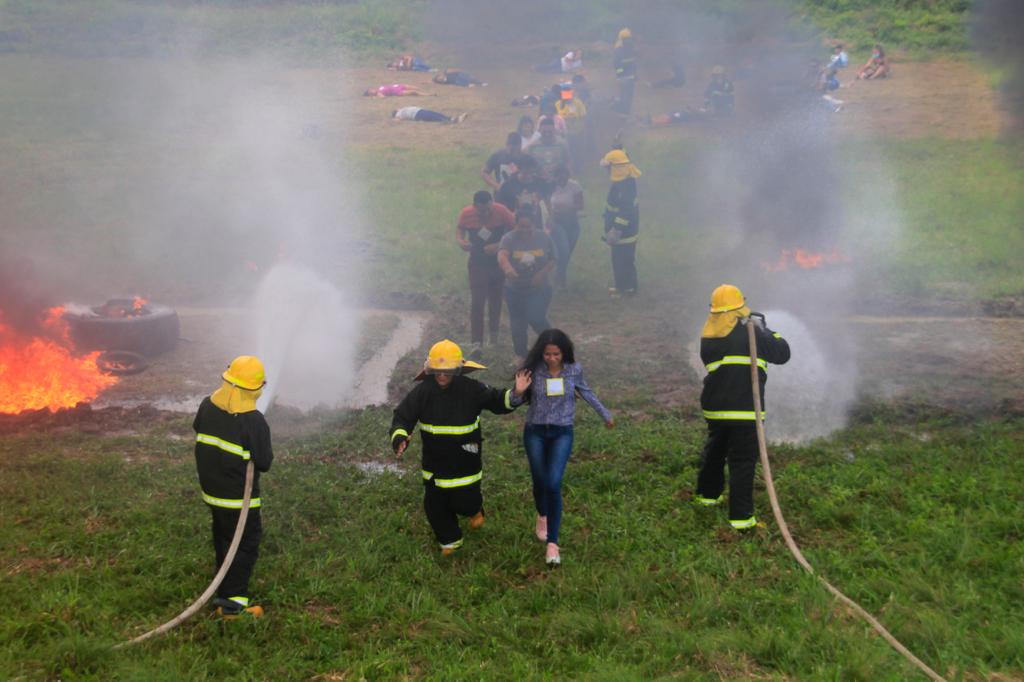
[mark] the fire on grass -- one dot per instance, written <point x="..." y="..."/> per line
<point x="804" y="259"/>
<point x="42" y="370"/>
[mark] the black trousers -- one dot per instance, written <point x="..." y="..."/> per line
<point x="624" y="104"/>
<point x="444" y="506"/>
<point x="624" y="267"/>
<point x="236" y="582"/>
<point x="735" y="442"/>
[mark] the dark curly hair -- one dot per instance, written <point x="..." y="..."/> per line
<point x="535" y="358"/>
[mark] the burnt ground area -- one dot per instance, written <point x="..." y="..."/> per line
<point x="639" y="354"/>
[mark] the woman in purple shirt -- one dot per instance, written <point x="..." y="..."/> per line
<point x="548" y="436"/>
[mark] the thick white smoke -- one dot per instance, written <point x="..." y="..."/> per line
<point x="809" y="396"/>
<point x="306" y="335"/>
<point x="285" y="205"/>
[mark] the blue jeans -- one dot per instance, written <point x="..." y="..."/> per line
<point x="527" y="307"/>
<point x="565" y="235"/>
<point x="548" y="449"/>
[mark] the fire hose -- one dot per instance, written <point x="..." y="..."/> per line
<point x="217" y="579"/>
<point x="784" y="528"/>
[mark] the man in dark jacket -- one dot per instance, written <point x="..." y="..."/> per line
<point x="728" y="401"/>
<point x="447" y="406"/>
<point x="230" y="432"/>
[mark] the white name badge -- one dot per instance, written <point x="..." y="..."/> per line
<point x="484" y="233"/>
<point x="527" y="259"/>
<point x="556" y="386"/>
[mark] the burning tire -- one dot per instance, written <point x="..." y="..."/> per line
<point x="147" y="329"/>
<point x="121" y="362"/>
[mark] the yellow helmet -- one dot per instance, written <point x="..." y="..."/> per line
<point x="446" y="356"/>
<point x="245" y="371"/>
<point x="725" y="298"/>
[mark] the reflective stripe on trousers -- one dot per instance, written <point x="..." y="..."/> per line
<point x="452" y="482"/>
<point x="225" y="503"/>
<point x="732" y="414"/>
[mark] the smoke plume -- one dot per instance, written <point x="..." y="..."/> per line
<point x="997" y="30"/>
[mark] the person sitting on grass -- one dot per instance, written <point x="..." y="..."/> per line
<point x="397" y="90"/>
<point x="426" y="115"/>
<point x="459" y="78"/>
<point x="447" y="405"/>
<point x="408" y="62"/>
<point x="839" y="58"/>
<point x="877" y="66"/>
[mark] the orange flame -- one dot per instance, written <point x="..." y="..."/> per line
<point x="137" y="304"/>
<point x="805" y="260"/>
<point x="38" y="372"/>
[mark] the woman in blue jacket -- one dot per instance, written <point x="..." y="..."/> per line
<point x="548" y="435"/>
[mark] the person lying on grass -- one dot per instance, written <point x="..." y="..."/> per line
<point x="408" y="62"/>
<point x="397" y="90"/>
<point x="447" y="406"/>
<point x="426" y="115"/>
<point x="459" y="78"/>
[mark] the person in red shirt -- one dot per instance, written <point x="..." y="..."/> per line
<point x="479" y="229"/>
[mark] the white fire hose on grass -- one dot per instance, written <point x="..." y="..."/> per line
<point x="217" y="579"/>
<point x="784" y="529"/>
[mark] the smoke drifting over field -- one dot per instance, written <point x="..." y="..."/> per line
<point x="998" y="33"/>
<point x="190" y="181"/>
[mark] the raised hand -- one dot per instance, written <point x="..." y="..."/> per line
<point x="524" y="378"/>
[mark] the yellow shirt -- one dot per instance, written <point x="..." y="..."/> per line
<point x="573" y="111"/>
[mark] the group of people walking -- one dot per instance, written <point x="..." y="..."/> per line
<point x="447" y="404"/>
<point x="516" y="239"/>
<point x="527" y="231"/>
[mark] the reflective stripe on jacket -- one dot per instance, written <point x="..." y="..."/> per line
<point x="225" y="444"/>
<point x="727" y="393"/>
<point x="449" y="422"/>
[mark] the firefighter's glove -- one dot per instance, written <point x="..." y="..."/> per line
<point x="398" y="444"/>
<point x="759" y="321"/>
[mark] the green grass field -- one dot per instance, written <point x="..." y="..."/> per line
<point x="104" y="537"/>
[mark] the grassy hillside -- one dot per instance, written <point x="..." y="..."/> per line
<point x="305" y="29"/>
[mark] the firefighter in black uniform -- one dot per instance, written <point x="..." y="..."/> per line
<point x="728" y="403"/>
<point x="229" y="432"/>
<point x="447" y="406"/>
<point x="624" y="61"/>
<point x="622" y="221"/>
